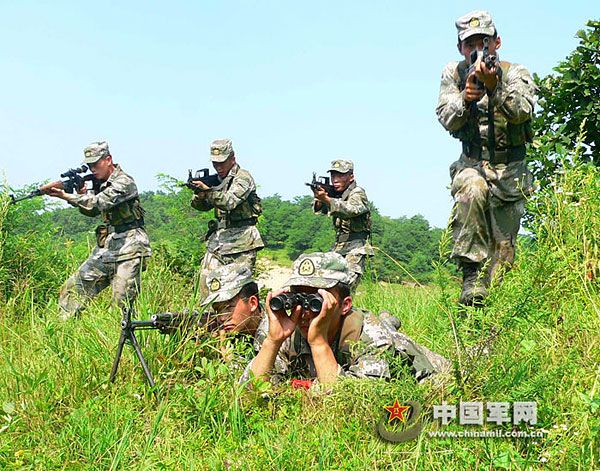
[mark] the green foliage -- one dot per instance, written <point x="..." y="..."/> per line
<point x="535" y="340"/>
<point x="405" y="248"/>
<point x="570" y="106"/>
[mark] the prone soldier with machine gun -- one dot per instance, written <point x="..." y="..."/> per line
<point x="122" y="242"/>
<point x="488" y="105"/>
<point x="231" y="308"/>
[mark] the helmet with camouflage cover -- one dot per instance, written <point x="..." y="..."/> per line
<point x="225" y="282"/>
<point x="320" y="270"/>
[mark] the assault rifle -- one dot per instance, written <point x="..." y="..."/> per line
<point x="490" y="62"/>
<point x="203" y="176"/>
<point x="73" y="181"/>
<point x="165" y="323"/>
<point x="324" y="183"/>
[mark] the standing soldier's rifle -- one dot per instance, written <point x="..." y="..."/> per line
<point x="202" y="175"/>
<point x="73" y="181"/>
<point x="490" y="61"/>
<point x="324" y="183"/>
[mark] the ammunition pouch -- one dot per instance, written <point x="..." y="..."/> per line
<point x="101" y="235"/>
<point x="347" y="237"/>
<point x="213" y="225"/>
<point x="501" y="156"/>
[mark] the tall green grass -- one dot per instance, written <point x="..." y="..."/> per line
<point x="537" y="340"/>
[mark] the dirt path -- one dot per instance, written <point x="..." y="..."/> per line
<point x="272" y="276"/>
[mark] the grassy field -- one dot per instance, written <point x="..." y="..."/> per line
<point x="537" y="340"/>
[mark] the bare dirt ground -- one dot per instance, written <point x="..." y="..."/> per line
<point x="271" y="275"/>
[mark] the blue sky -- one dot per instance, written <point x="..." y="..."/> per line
<point x="293" y="84"/>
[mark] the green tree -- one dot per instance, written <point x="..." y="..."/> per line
<point x="569" y="106"/>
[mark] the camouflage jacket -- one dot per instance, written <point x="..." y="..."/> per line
<point x="514" y="100"/>
<point x="237" y="207"/>
<point x="360" y="349"/>
<point x="351" y="219"/>
<point x="118" y="203"/>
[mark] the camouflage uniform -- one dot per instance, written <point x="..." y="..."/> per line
<point x="489" y="196"/>
<point x="361" y="342"/>
<point x="123" y="244"/>
<point x="352" y="222"/>
<point x="237" y="208"/>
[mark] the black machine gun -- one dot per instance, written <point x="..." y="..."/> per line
<point x="165" y="323"/>
<point x="324" y="183"/>
<point x="210" y="180"/>
<point x="73" y="181"/>
<point x="490" y="61"/>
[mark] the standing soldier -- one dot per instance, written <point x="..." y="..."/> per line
<point x="487" y="105"/>
<point x="351" y="216"/>
<point x="122" y="242"/>
<point x="233" y="237"/>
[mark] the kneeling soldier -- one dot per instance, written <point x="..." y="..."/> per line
<point x="122" y="242"/>
<point x="237" y="208"/>
<point x="351" y="217"/>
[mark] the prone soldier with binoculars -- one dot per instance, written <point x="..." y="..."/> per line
<point x="309" y="329"/>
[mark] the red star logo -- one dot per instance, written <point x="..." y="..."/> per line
<point x="397" y="411"/>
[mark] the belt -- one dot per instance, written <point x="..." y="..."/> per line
<point x="347" y="237"/>
<point x="224" y="224"/>
<point x="135" y="224"/>
<point x="501" y="156"/>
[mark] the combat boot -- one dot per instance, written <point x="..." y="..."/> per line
<point x="473" y="288"/>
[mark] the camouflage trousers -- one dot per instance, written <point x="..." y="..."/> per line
<point x="355" y="252"/>
<point x="489" y="201"/>
<point x="93" y="276"/>
<point x="212" y="260"/>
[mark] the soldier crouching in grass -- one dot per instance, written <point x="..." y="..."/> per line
<point x="351" y="217"/>
<point x="234" y="237"/>
<point x="488" y="105"/>
<point x="122" y="242"/>
<point x="340" y="340"/>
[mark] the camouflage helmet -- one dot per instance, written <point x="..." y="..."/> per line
<point x="475" y="22"/>
<point x="341" y="166"/>
<point x="320" y="270"/>
<point x="220" y="150"/>
<point x="225" y="282"/>
<point x="95" y="151"/>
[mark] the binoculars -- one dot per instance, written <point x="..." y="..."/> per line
<point x="287" y="301"/>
